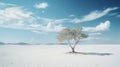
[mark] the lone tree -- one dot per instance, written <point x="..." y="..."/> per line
<point x="72" y="36"/>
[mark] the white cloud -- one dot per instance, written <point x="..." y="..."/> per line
<point x="101" y="27"/>
<point x="47" y="28"/>
<point x="95" y="34"/>
<point x="58" y="21"/>
<point x="113" y="14"/>
<point x="6" y="4"/>
<point x="20" y="18"/>
<point x="90" y="17"/>
<point x="76" y="20"/>
<point x="94" y="15"/>
<point x="50" y="25"/>
<point x="118" y="16"/>
<point x="72" y="15"/>
<point x="42" y="5"/>
<point x="15" y="17"/>
<point x="53" y="28"/>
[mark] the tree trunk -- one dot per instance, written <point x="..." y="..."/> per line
<point x="73" y="50"/>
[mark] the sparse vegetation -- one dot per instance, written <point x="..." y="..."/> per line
<point x="72" y="36"/>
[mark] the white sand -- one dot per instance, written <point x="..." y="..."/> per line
<point x="56" y="56"/>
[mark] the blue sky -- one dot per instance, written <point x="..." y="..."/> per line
<point x="39" y="21"/>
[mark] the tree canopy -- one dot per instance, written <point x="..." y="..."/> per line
<point x="72" y="36"/>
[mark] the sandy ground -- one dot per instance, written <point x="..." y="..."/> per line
<point x="57" y="56"/>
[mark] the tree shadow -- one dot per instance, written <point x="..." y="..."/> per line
<point x="91" y="53"/>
